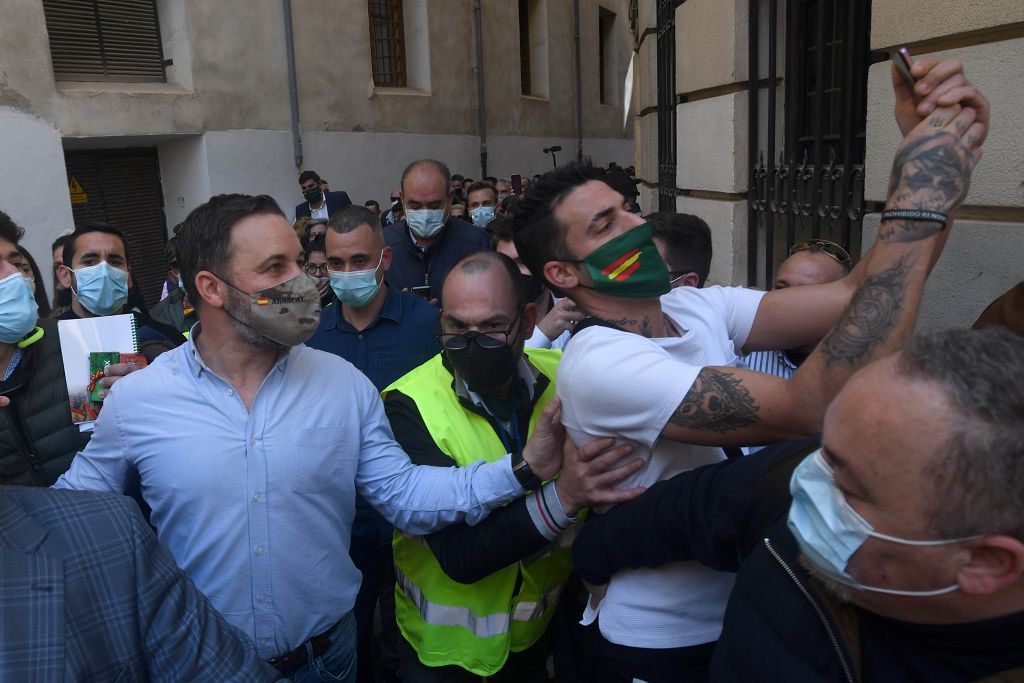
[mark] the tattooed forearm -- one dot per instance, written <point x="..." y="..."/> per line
<point x="718" y="402"/>
<point x="870" y="317"/>
<point x="931" y="173"/>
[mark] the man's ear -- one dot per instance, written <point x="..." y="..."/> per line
<point x="386" y="259"/>
<point x="691" y="280"/>
<point x="129" y="270"/>
<point x="562" y="275"/>
<point x="64" y="276"/>
<point x="208" y="287"/>
<point x="994" y="564"/>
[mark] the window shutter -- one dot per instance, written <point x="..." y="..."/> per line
<point x="105" y="40"/>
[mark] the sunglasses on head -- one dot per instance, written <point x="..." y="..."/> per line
<point x="836" y="252"/>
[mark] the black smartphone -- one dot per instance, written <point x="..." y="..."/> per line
<point x="422" y="291"/>
<point x="517" y="185"/>
<point x="901" y="58"/>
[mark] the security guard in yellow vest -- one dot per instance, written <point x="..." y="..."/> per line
<point x="477" y="601"/>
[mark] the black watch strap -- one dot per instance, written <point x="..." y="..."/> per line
<point x="524" y="474"/>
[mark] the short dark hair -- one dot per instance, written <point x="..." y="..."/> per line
<point x="204" y="240"/>
<point x="309" y="175"/>
<point x="438" y="166"/>
<point x="351" y="217"/>
<point x="482" y="185"/>
<point x="501" y="230"/>
<point x="491" y="179"/>
<point x="72" y="240"/>
<point x="485" y="261"/>
<point x="687" y="242"/>
<point x="9" y="230"/>
<point x="979" y="482"/>
<point x="458" y="176"/>
<point x="540" y="236"/>
<point x="59" y="244"/>
<point x="372" y="202"/>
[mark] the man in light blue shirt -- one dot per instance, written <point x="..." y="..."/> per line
<point x="251" y="482"/>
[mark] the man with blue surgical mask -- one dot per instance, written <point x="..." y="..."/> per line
<point x="428" y="242"/>
<point x="385" y="333"/>
<point x="483" y="202"/>
<point x="37" y="438"/>
<point x="97" y="273"/>
<point x="892" y="549"/>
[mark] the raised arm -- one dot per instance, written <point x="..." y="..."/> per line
<point x="795" y="316"/>
<point x="931" y="173"/>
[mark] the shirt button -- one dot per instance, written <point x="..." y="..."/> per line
<point x="252" y="440"/>
<point x="259" y="550"/>
<point x="231" y="392"/>
<point x="256" y="497"/>
<point x="261" y="598"/>
<point x="359" y="336"/>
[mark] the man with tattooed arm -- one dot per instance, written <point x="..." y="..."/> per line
<point x="658" y="371"/>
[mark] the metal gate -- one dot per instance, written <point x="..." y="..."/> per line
<point x="666" y="56"/>
<point x="811" y="184"/>
<point x="122" y="187"/>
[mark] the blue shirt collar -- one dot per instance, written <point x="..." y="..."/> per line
<point x="198" y="365"/>
<point x="392" y="310"/>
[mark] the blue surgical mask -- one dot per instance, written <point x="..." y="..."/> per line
<point x="425" y="223"/>
<point x="18" y="309"/>
<point x="482" y="215"/>
<point x="357" y="287"/>
<point x="102" y="289"/>
<point x="829" y="531"/>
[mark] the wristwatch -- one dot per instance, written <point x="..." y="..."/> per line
<point x="523" y="473"/>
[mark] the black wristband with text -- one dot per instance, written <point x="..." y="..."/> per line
<point x="915" y="215"/>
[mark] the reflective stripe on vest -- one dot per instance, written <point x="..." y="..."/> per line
<point x="528" y="611"/>
<point x="448" y="615"/>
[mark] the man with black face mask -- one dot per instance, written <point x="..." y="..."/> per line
<point x="479" y="398"/>
<point x="319" y="203"/>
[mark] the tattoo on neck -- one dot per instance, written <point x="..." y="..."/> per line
<point x="716" y="402"/>
<point x="870" y="317"/>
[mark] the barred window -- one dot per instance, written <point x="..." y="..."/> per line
<point x="387" y="43"/>
<point x="105" y="40"/>
<point x="524" y="46"/>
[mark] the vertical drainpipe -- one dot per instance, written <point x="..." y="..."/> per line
<point x="481" y="118"/>
<point x="293" y="90"/>
<point x="579" y="84"/>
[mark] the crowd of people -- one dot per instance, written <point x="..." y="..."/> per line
<point x="503" y="430"/>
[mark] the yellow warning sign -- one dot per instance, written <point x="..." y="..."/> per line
<point x="78" y="195"/>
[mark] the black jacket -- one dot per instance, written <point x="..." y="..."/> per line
<point x="335" y="201"/>
<point x="413" y="267"/>
<point x="37" y="438"/>
<point x="780" y="623"/>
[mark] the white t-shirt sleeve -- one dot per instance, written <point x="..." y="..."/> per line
<point x="739" y="308"/>
<point x="614" y="383"/>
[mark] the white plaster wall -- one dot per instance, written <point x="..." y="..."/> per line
<point x="253" y="162"/>
<point x="184" y="176"/>
<point x="981" y="261"/>
<point x="33" y="184"/>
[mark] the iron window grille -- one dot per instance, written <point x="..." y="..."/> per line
<point x="387" y="43"/>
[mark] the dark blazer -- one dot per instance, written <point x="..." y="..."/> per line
<point x="89" y="595"/>
<point x="335" y="201"/>
<point x="412" y="267"/>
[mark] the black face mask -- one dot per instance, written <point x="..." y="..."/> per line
<point x="532" y="287"/>
<point x="484" y="363"/>
<point x="63" y="297"/>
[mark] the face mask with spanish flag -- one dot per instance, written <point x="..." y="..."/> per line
<point x="629" y="265"/>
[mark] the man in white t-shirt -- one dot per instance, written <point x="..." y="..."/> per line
<point x="659" y="371"/>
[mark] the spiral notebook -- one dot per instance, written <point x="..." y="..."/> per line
<point x="92" y="336"/>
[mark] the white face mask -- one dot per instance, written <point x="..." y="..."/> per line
<point x="829" y="531"/>
<point x="425" y="223"/>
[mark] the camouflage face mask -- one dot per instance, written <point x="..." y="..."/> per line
<point x="287" y="313"/>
